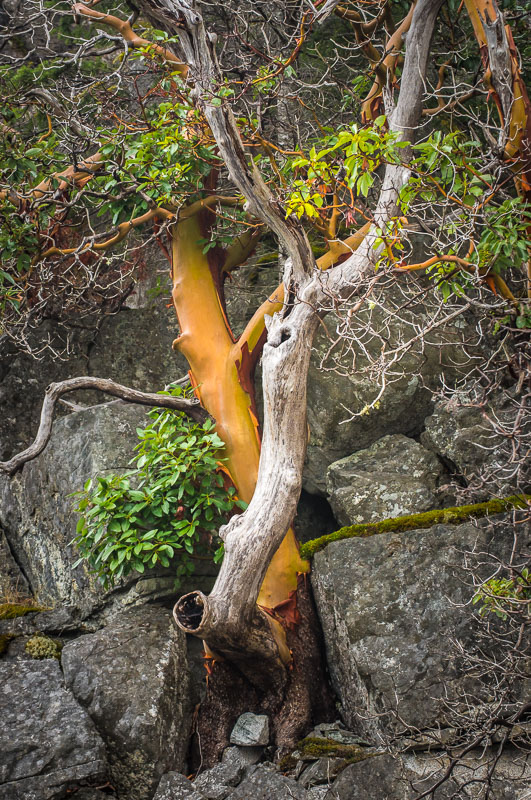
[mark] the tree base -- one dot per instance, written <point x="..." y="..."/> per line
<point x="306" y="699"/>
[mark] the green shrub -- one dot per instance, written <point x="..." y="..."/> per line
<point x="165" y="510"/>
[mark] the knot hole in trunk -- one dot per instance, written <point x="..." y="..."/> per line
<point x="280" y="336"/>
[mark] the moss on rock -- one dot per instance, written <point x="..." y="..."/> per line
<point x="13" y="610"/>
<point x="317" y="747"/>
<point x="412" y="522"/>
<point x="41" y="646"/>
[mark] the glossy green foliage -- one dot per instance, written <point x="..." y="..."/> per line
<point x="165" y="510"/>
<point x="348" y="157"/>
<point x="164" y="163"/>
<point x="505" y="596"/>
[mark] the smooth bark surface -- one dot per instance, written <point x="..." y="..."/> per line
<point x="229" y="613"/>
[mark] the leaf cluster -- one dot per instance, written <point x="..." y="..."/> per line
<point x="344" y="159"/>
<point x="504" y="596"/>
<point x="165" y="510"/>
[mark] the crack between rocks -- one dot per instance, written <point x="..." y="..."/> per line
<point x="17" y="561"/>
<point x="58" y="770"/>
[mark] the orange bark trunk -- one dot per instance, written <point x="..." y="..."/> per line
<point x="222" y="380"/>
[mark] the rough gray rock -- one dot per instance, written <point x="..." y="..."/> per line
<point x="266" y="783"/>
<point x="394" y="476"/>
<point x="242" y="756"/>
<point x="13" y="582"/>
<point x="250" y="730"/>
<point x="132" y="677"/>
<point x="324" y="770"/>
<point x="37" y="514"/>
<point x="477" y="437"/>
<point x="134" y="347"/>
<point x="390" y="606"/>
<point x="47" y="741"/>
<point x="39" y="521"/>
<point x="55" y="622"/>
<point x="218" y="782"/>
<point x="174" y="786"/>
<point x="23" y="381"/>
<point x="335" y="394"/>
<point x="405" y="777"/>
<point x="109" y="346"/>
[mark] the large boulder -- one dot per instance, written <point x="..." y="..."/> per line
<point x="38" y="518"/>
<point x="394" y="476"/>
<point x="36" y="511"/>
<point x="132" y="678"/>
<point x="47" y="740"/>
<point x="485" y="440"/>
<point x="390" y="606"/>
<point x="345" y="380"/>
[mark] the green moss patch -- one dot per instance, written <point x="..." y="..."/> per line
<point x="410" y="522"/>
<point x="315" y="747"/>
<point x="13" y="610"/>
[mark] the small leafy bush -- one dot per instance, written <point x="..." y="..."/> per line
<point x="170" y="504"/>
<point x="504" y="596"/>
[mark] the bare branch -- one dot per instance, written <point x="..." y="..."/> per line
<point x="56" y="390"/>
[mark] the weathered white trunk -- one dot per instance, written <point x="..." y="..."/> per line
<point x="229" y="616"/>
<point x="229" y="619"/>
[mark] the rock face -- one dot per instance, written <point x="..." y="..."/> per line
<point x="37" y="514"/>
<point x="335" y="394"/>
<point x="406" y="777"/>
<point x="488" y="444"/>
<point x="390" y="605"/>
<point x="394" y="476"/>
<point x="114" y="346"/>
<point x="174" y="785"/>
<point x="47" y="741"/>
<point x="331" y="438"/>
<point x="132" y="678"/>
<point x="365" y="774"/>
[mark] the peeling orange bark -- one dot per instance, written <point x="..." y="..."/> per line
<point x="515" y="111"/>
<point x="222" y="371"/>
<point x="207" y="343"/>
<point x="484" y="13"/>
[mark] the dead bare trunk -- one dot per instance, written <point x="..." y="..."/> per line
<point x="229" y="618"/>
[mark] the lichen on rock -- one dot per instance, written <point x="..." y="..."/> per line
<point x="42" y="646"/>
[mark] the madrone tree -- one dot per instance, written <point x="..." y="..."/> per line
<point x="372" y="142"/>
